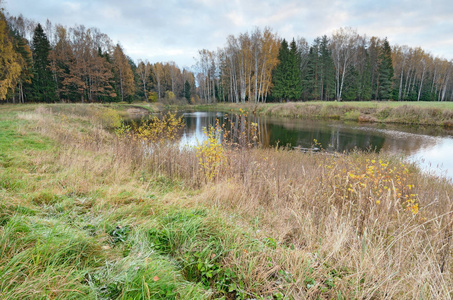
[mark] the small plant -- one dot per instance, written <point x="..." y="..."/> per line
<point x="123" y="130"/>
<point x="108" y="117"/>
<point x="120" y="233"/>
<point x="152" y="97"/>
<point x="211" y="154"/>
<point x="169" y="95"/>
<point x="156" y="130"/>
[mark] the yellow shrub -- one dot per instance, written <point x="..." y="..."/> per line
<point x="211" y="153"/>
<point x="378" y="181"/>
<point x="109" y="117"/>
<point x="156" y="130"/>
<point x="161" y="129"/>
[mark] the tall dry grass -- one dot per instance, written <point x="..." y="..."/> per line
<point x="359" y="225"/>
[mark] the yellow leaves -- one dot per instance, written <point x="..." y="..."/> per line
<point x="109" y="118"/>
<point x="123" y="130"/>
<point x="211" y="153"/>
<point x="156" y="129"/>
<point x="10" y="66"/>
<point x="124" y="72"/>
<point x="375" y="180"/>
<point x="412" y="206"/>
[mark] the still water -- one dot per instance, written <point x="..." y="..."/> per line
<point x="430" y="147"/>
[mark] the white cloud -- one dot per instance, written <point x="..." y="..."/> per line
<point x="171" y="30"/>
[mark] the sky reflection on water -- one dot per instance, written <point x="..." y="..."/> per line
<point x="430" y="147"/>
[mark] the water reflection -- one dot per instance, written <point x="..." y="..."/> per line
<point x="429" y="146"/>
<point x="436" y="158"/>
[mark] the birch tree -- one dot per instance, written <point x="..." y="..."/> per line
<point x="344" y="47"/>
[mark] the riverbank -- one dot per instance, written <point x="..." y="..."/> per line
<point x="416" y="113"/>
<point x="86" y="213"/>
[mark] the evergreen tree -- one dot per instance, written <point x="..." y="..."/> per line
<point x="351" y="89"/>
<point x="294" y="74"/>
<point x="385" y="72"/>
<point x="319" y="80"/>
<point x="310" y="81"/>
<point x="279" y="74"/>
<point x="43" y="85"/>
<point x="187" y="90"/>
<point x="327" y="70"/>
<point x="287" y="78"/>
<point x="364" y="76"/>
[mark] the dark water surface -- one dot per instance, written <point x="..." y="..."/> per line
<point x="430" y="147"/>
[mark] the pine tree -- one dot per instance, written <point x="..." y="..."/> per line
<point x="310" y="82"/>
<point x="287" y="78"/>
<point x="279" y="75"/>
<point x="351" y="89"/>
<point x="365" y="79"/>
<point x="294" y="75"/>
<point x="187" y="90"/>
<point x="385" y="72"/>
<point x="327" y="70"/>
<point x="43" y="85"/>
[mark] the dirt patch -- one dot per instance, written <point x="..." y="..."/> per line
<point x="137" y="111"/>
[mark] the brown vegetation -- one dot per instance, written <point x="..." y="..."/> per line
<point x="361" y="225"/>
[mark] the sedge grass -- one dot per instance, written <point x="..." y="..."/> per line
<point x="86" y="214"/>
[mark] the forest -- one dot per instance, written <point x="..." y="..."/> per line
<point x="54" y="63"/>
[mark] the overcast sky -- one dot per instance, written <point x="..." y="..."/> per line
<point x="170" y="30"/>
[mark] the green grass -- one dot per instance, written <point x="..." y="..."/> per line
<point x="86" y="215"/>
<point x="380" y="104"/>
<point x="59" y="243"/>
<point x="423" y="113"/>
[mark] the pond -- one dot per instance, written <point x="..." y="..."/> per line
<point x="430" y="147"/>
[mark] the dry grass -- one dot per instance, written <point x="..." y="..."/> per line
<point x="381" y="247"/>
<point x="356" y="226"/>
<point x="422" y="113"/>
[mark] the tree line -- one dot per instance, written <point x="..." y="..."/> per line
<point x="260" y="66"/>
<point x="54" y="63"/>
<point x="49" y="63"/>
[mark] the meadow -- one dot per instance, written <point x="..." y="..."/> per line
<point x="91" y="208"/>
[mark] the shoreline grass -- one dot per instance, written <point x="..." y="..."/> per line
<point x="87" y="214"/>
<point x="413" y="113"/>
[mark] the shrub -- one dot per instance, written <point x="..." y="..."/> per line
<point x="169" y="95"/>
<point x="152" y="97"/>
<point x="211" y="153"/>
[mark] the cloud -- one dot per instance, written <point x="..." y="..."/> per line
<point x="173" y="30"/>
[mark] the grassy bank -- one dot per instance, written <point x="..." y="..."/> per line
<point x="88" y="214"/>
<point x="422" y="113"/>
